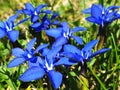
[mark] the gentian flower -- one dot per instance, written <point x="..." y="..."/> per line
<point x="83" y="55"/>
<point x="7" y="28"/>
<point x="101" y="15"/>
<point x="33" y="12"/>
<point x="45" y="23"/>
<point x="63" y="33"/>
<point x="28" y="54"/>
<point x="46" y="66"/>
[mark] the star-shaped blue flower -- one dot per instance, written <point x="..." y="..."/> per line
<point x="34" y="12"/>
<point x="45" y="23"/>
<point x="83" y="55"/>
<point x="101" y="15"/>
<point x="46" y="65"/>
<point x="63" y="33"/>
<point x="7" y="29"/>
<point x="28" y="54"/>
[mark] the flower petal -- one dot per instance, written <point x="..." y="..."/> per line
<point x="13" y="35"/>
<point x="2" y="25"/>
<point x="112" y="8"/>
<point x="20" y="11"/>
<point x="101" y="51"/>
<point x="76" y="29"/>
<point x="111" y="16"/>
<point x="12" y="18"/>
<point x="47" y="11"/>
<point x="78" y="39"/>
<point x="65" y="26"/>
<point x="31" y="44"/>
<point x="117" y="16"/>
<point x="18" y="52"/>
<point x="55" y="78"/>
<point x="16" y="62"/>
<point x="54" y="16"/>
<point x="90" y="45"/>
<point x="64" y="61"/>
<point x="22" y="21"/>
<point x="73" y="56"/>
<point x="35" y="25"/>
<point x="56" y="22"/>
<point x="54" y="32"/>
<point x="41" y="47"/>
<point x="96" y="12"/>
<point x="27" y="12"/>
<point x="92" y="19"/>
<point x="32" y="73"/>
<point x="60" y="41"/>
<point x="52" y="53"/>
<point x="87" y="11"/>
<point x="38" y="8"/>
<point x="2" y="33"/>
<point x="29" y="7"/>
<point x="45" y="51"/>
<point x="34" y="18"/>
<point x="37" y="61"/>
<point x="71" y="48"/>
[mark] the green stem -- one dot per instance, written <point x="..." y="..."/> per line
<point x="83" y="80"/>
<point x="93" y="72"/>
<point x="101" y="37"/>
<point x="8" y="80"/>
<point x="40" y="84"/>
<point x="49" y="86"/>
<point x="116" y="49"/>
<point x="11" y="84"/>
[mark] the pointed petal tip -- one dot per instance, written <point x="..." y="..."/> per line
<point x="9" y="66"/>
<point x="55" y="78"/>
<point x="15" y="62"/>
<point x="13" y="35"/>
<point x="86" y="11"/>
<point x="32" y="73"/>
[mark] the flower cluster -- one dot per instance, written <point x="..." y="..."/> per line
<point x="43" y="59"/>
<point x="101" y="15"/>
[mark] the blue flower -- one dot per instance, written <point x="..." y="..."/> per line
<point x="83" y="55"/>
<point x="7" y="29"/>
<point x="63" y="33"/>
<point x="46" y="65"/>
<point x="34" y="12"/>
<point x="28" y="54"/>
<point x="45" y="23"/>
<point x="101" y="15"/>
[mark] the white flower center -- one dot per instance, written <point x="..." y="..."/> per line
<point x="85" y="54"/>
<point x="110" y="11"/>
<point x="35" y="13"/>
<point x="49" y="67"/>
<point x="9" y="28"/>
<point x="29" y="55"/>
<point x="66" y="35"/>
<point x="103" y="12"/>
<point x="118" y="12"/>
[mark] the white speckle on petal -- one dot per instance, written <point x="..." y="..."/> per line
<point x="49" y="67"/>
<point x="9" y="28"/>
<point x="29" y="56"/>
<point x="35" y="13"/>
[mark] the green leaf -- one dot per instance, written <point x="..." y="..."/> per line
<point x="73" y="74"/>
